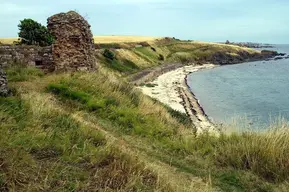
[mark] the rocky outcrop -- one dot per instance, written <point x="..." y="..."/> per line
<point x="73" y="49"/>
<point x="249" y="44"/>
<point x="4" y="91"/>
<point x="223" y="58"/>
<point x="268" y="53"/>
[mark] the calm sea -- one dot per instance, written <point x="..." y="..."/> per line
<point x="255" y="91"/>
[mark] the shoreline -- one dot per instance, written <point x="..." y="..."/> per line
<point x="171" y="88"/>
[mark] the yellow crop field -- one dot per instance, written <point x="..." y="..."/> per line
<point x="101" y="39"/>
<point x="122" y="39"/>
<point x="8" y="40"/>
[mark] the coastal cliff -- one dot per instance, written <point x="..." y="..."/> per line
<point x="139" y="59"/>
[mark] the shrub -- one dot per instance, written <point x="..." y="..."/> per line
<point x="151" y="85"/>
<point x="161" y="57"/>
<point x="108" y="54"/>
<point x="33" y="33"/>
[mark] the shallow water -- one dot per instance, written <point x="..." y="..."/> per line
<point x="257" y="91"/>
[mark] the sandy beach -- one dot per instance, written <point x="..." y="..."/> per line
<point x="171" y="89"/>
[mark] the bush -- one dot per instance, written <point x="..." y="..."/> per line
<point x="154" y="49"/>
<point x="108" y="54"/>
<point x="33" y="33"/>
<point x="161" y="57"/>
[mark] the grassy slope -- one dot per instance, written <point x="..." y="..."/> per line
<point x="131" y="59"/>
<point x="88" y="131"/>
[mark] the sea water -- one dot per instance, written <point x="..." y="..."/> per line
<point x="255" y="91"/>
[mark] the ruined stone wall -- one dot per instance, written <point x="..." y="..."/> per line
<point x="4" y="91"/>
<point x="73" y="49"/>
<point x="40" y="57"/>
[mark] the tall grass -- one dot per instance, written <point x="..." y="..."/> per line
<point x="43" y="148"/>
<point x="265" y="154"/>
<point x="21" y="72"/>
<point x="113" y="109"/>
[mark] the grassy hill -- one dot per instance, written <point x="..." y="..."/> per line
<point x="133" y="57"/>
<point x="96" y="132"/>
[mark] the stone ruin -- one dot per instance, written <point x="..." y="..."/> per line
<point x="4" y="91"/>
<point x="73" y="49"/>
<point x="27" y="55"/>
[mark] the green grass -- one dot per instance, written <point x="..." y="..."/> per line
<point x="43" y="148"/>
<point x="181" y="117"/>
<point x="20" y="72"/>
<point x="127" y="116"/>
<point x="147" y="53"/>
<point x="131" y="59"/>
<point x="123" y="66"/>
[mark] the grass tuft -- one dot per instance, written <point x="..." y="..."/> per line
<point x="265" y="154"/>
<point x="19" y="72"/>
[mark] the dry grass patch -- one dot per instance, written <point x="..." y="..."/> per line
<point x="122" y="39"/>
<point x="130" y="55"/>
<point x="8" y="40"/>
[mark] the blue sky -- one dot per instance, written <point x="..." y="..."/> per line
<point x="208" y="20"/>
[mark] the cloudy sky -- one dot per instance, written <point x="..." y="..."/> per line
<point x="208" y="20"/>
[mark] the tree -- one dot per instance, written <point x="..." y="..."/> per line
<point x="33" y="33"/>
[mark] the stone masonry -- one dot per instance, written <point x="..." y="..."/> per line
<point x="73" y="49"/>
<point x="40" y="57"/>
<point x="4" y="91"/>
